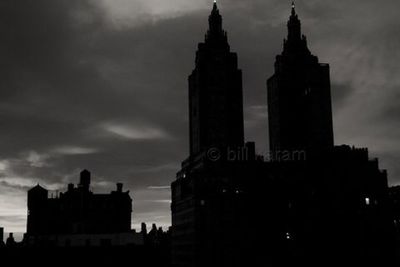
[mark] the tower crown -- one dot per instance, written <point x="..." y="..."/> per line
<point x="215" y="31"/>
<point x="294" y="25"/>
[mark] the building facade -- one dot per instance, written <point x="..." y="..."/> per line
<point x="230" y="207"/>
<point x="216" y="126"/>
<point x="299" y="97"/>
<point x="78" y="217"/>
<point x="1" y="236"/>
<point x="215" y="92"/>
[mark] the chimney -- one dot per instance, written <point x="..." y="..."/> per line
<point x="144" y="228"/>
<point x="70" y="187"/>
<point x="85" y="179"/>
<point x="119" y="187"/>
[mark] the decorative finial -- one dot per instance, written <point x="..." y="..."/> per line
<point x="293" y="8"/>
<point x="215" y="7"/>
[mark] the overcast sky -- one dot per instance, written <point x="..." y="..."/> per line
<point x="102" y="85"/>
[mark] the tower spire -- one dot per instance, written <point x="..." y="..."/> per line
<point x="293" y="8"/>
<point x="215" y="22"/>
<point x="294" y="25"/>
<point x="215" y="7"/>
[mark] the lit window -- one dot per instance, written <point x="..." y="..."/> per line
<point x="288" y="237"/>
<point x="367" y="201"/>
<point x="202" y="202"/>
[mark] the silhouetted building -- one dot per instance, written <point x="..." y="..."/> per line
<point x="1" y="236"/>
<point x="394" y="194"/>
<point x="156" y="237"/>
<point x="216" y="126"/>
<point x="299" y="97"/>
<point x="11" y="241"/>
<point x="232" y="208"/>
<point x="215" y="92"/>
<point x="79" y="217"/>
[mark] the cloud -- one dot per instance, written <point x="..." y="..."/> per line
<point x="36" y="160"/>
<point x="18" y="183"/>
<point x="133" y="12"/>
<point x="135" y="132"/>
<point x="102" y="85"/>
<point x="4" y="165"/>
<point x="75" y="150"/>
<point x="167" y="187"/>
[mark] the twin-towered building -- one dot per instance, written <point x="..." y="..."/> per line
<point x="313" y="202"/>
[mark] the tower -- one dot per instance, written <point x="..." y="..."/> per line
<point x="313" y="208"/>
<point x="215" y="92"/>
<point x="37" y="198"/>
<point x="206" y="196"/>
<point x="85" y="180"/>
<point x="299" y="98"/>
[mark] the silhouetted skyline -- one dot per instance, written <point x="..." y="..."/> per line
<point x="80" y="79"/>
<point x="317" y="200"/>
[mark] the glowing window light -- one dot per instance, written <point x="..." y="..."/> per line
<point x="288" y="236"/>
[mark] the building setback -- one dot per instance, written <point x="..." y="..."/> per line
<point x="310" y="202"/>
<point x="299" y="97"/>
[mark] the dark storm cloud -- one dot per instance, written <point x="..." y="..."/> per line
<point x="78" y="90"/>
<point x="78" y="93"/>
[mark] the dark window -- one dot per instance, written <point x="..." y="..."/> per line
<point x="105" y="242"/>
